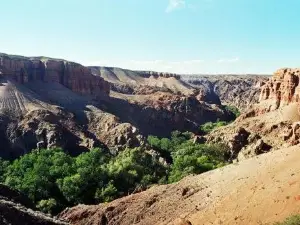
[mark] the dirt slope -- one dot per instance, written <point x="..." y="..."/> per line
<point x="259" y="190"/>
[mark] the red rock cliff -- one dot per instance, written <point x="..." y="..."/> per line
<point x="283" y="88"/>
<point x="72" y="75"/>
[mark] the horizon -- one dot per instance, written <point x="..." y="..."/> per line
<point x="188" y="74"/>
<point x="189" y="37"/>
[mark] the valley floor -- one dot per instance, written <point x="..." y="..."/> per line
<point x="261" y="190"/>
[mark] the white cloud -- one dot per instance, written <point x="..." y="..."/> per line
<point x="229" y="60"/>
<point x="175" y="4"/>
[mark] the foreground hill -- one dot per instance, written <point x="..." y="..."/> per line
<point x="260" y="190"/>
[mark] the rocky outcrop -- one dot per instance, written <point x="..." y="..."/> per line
<point x="72" y="75"/>
<point x="48" y="129"/>
<point x="239" y="143"/>
<point x="256" y="146"/>
<point x="16" y="209"/>
<point x="283" y="88"/>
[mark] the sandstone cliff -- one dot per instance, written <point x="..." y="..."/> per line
<point x="72" y="75"/>
<point x="283" y="88"/>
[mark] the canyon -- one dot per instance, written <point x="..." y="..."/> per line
<point x="47" y="102"/>
<point x="240" y="193"/>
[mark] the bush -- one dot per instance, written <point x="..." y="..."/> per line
<point x="210" y="126"/>
<point x="47" y="206"/>
<point x="293" y="220"/>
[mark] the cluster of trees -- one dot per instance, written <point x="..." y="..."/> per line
<point x="186" y="157"/>
<point x="54" y="180"/>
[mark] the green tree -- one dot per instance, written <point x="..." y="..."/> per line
<point x="35" y="174"/>
<point x="90" y="173"/>
<point x="190" y="158"/>
<point x="47" y="206"/>
<point x="210" y="126"/>
<point x="3" y="168"/>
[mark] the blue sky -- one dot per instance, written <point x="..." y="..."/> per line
<point x="183" y="36"/>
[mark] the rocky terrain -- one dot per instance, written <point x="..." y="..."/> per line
<point x="241" y="91"/>
<point x="47" y="102"/>
<point x="274" y="121"/>
<point x="16" y="209"/>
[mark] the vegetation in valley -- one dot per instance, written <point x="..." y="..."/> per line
<point x="210" y="126"/>
<point x="54" y="180"/>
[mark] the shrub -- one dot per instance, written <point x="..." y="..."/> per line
<point x="47" y="206"/>
<point x="292" y="220"/>
<point x="210" y="126"/>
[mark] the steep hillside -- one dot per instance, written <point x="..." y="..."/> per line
<point x="240" y="91"/>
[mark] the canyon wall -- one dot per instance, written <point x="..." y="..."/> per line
<point x="72" y="75"/>
<point x="283" y="88"/>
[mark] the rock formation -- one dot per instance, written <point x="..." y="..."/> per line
<point x="283" y="88"/>
<point x="72" y="75"/>
<point x="272" y="123"/>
